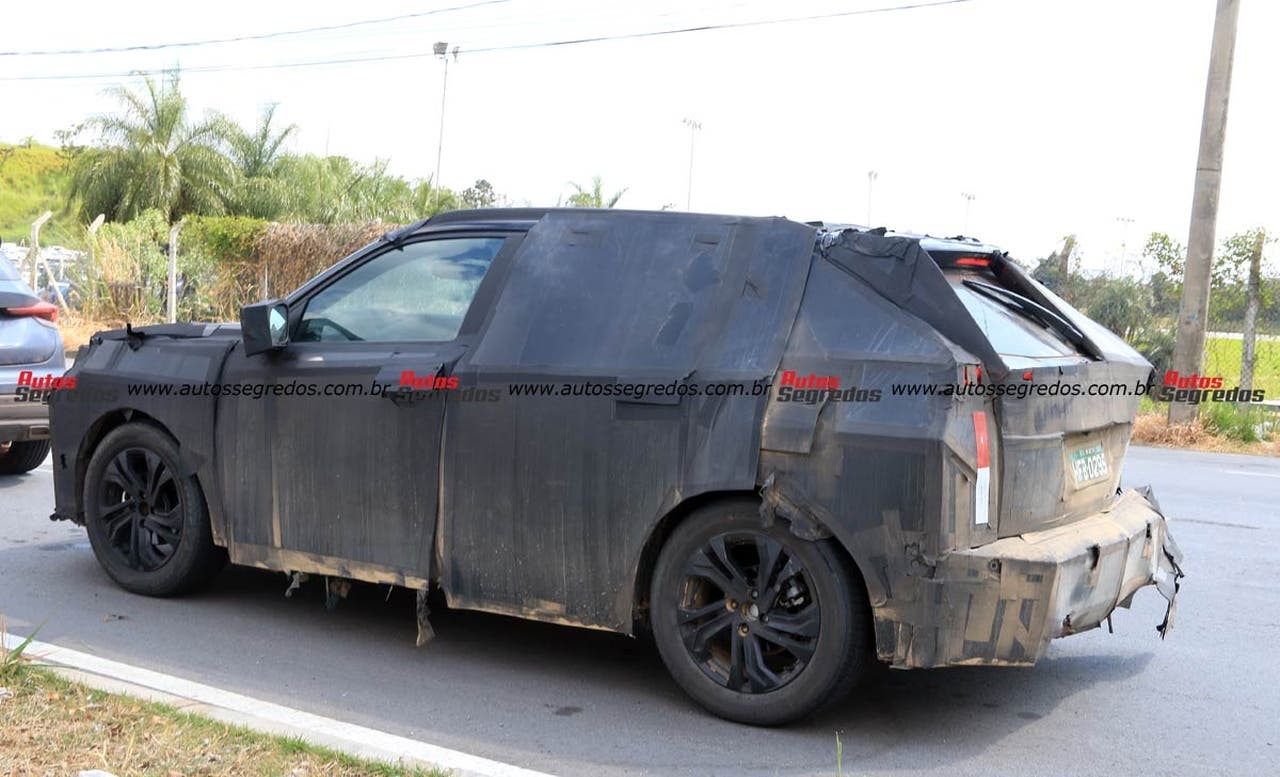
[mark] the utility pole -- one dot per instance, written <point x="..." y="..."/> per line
<point x="693" y="126"/>
<point x="1188" y="352"/>
<point x="872" y="175"/>
<point x="969" y="197"/>
<point x="441" y="50"/>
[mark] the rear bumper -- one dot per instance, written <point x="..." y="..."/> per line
<point x="22" y="420"/>
<point x="1002" y="603"/>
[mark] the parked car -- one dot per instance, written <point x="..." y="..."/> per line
<point x="70" y="293"/>
<point x="686" y="424"/>
<point x="31" y="356"/>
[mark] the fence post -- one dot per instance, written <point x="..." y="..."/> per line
<point x="33" y="251"/>
<point x="94" y="274"/>
<point x="173" y="271"/>
<point x="1248" y="345"/>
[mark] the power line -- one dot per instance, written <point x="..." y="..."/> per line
<point x="243" y="38"/>
<point x="494" y="49"/>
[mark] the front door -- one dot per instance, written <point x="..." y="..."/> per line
<point x="346" y="420"/>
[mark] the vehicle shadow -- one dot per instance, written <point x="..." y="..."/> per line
<point x="614" y="689"/>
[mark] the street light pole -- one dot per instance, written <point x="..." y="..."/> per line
<point x="441" y="50"/>
<point x="1124" y="222"/>
<point x="693" y="126"/>
<point x="872" y="175"/>
<point x="969" y="197"/>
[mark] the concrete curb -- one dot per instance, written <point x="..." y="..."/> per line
<point x="116" y="677"/>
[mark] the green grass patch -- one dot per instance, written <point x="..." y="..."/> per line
<point x="1223" y="356"/>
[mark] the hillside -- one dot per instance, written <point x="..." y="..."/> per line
<point x="33" y="179"/>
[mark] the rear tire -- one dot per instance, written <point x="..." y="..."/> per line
<point x="148" y="522"/>
<point x="754" y="623"/>
<point x="23" y="456"/>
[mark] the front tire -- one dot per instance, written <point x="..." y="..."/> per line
<point x="22" y="456"/>
<point x="148" y="522"/>
<point x="755" y="624"/>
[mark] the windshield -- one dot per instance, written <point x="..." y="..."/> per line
<point x="1011" y="332"/>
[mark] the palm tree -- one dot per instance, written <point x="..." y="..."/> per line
<point x="258" y="156"/>
<point x="153" y="157"/>
<point x="593" y="197"/>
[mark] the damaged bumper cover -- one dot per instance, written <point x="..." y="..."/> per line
<point x="1003" y="602"/>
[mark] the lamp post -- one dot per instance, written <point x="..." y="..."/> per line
<point x="969" y="197"/>
<point x="441" y="50"/>
<point x="872" y="175"/>
<point x="693" y="126"/>
<point x="1124" y="222"/>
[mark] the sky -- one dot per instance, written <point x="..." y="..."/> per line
<point x="1057" y="116"/>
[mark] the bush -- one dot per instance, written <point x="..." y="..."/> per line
<point x="128" y="276"/>
<point x="1235" y="421"/>
<point x="1157" y="346"/>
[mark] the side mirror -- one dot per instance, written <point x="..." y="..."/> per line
<point x="264" y="326"/>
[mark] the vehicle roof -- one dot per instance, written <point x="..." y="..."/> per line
<point x="524" y="218"/>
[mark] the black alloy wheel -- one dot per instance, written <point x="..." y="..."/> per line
<point x="754" y="623"/>
<point x="140" y="506"/>
<point x="749" y="616"/>
<point x="147" y="519"/>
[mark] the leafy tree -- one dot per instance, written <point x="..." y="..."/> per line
<point x="258" y="155"/>
<point x="479" y="195"/>
<point x="1168" y="255"/>
<point x="153" y="156"/>
<point x="1122" y="305"/>
<point x="593" y="197"/>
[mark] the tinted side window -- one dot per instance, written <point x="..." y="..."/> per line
<point x="417" y="292"/>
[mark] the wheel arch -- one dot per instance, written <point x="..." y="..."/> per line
<point x="106" y="424"/>
<point x="663" y="529"/>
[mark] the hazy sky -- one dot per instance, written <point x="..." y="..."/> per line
<point x="1057" y="115"/>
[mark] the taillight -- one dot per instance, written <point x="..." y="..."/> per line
<point x="46" y="310"/>
<point x="973" y="261"/>
<point x="982" y="489"/>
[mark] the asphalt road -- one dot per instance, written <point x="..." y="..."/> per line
<point x="577" y="702"/>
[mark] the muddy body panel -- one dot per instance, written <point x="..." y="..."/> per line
<point x="1002" y="603"/>
<point x="553" y="506"/>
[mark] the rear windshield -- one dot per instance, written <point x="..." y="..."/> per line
<point x="1011" y="332"/>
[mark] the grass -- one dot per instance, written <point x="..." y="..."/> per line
<point x="33" y="179"/>
<point x="49" y="725"/>
<point x="1222" y="357"/>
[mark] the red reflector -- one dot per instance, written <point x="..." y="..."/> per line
<point x="980" y="439"/>
<point x="973" y="261"/>
<point x="1027" y="375"/>
<point x="45" y="310"/>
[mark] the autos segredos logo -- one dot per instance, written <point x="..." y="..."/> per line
<point x="1196" y="388"/>
<point x="411" y="380"/>
<point x="811" y="389"/>
<point x="33" y="389"/>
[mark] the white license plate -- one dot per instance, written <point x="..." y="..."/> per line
<point x="1089" y="464"/>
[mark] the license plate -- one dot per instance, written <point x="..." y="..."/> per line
<point x="1089" y="464"/>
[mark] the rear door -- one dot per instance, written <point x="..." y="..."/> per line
<point x="337" y="457"/>
<point x="1064" y="411"/>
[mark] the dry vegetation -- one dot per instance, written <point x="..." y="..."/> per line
<point x="49" y="726"/>
<point x="286" y="256"/>
<point x="1152" y="428"/>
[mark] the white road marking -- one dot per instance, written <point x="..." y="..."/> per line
<point x="1254" y="474"/>
<point x="359" y="739"/>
